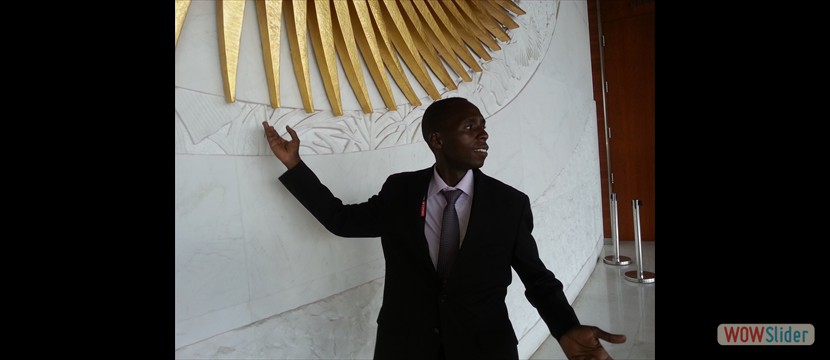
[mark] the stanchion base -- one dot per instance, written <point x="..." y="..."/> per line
<point x="622" y="260"/>
<point x="648" y="277"/>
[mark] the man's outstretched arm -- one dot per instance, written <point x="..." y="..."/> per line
<point x="354" y="220"/>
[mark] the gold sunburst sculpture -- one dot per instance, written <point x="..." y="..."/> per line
<point x="421" y="32"/>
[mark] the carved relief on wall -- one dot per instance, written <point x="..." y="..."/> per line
<point x="207" y="124"/>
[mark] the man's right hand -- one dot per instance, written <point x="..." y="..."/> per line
<point x="287" y="151"/>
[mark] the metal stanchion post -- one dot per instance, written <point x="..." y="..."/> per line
<point x="615" y="259"/>
<point x="638" y="276"/>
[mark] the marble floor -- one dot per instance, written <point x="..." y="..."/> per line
<point x="616" y="305"/>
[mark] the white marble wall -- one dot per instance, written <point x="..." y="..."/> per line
<point x="258" y="277"/>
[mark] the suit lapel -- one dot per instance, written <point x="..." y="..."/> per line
<point x="417" y="195"/>
<point x="478" y="212"/>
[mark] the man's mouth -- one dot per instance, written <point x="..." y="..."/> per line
<point x="481" y="150"/>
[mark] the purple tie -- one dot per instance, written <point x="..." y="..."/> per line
<point x="449" y="233"/>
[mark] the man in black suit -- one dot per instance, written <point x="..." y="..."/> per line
<point x="447" y="309"/>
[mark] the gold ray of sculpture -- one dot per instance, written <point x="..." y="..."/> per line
<point x="424" y="33"/>
<point x="498" y="14"/>
<point x="387" y="53"/>
<point x="344" y="41"/>
<point x="510" y="6"/>
<point x="269" y="14"/>
<point x="439" y="41"/>
<point x="229" y="19"/>
<point x="453" y="40"/>
<point x="473" y="44"/>
<point x="454" y="36"/>
<point x="322" y="40"/>
<point x="468" y="16"/>
<point x="297" y="30"/>
<point x="406" y="48"/>
<point x="488" y="21"/>
<point x="464" y="32"/>
<point x="424" y="46"/>
<point x="181" y="13"/>
<point x="366" y="40"/>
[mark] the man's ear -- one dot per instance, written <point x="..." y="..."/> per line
<point x="435" y="141"/>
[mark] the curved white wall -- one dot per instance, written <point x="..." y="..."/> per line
<point x="257" y="276"/>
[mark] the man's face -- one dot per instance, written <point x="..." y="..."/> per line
<point x="463" y="138"/>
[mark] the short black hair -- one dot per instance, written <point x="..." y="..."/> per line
<point x="433" y="117"/>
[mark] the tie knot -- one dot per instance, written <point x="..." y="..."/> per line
<point x="451" y="195"/>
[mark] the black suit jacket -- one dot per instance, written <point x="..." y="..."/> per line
<point x="467" y="315"/>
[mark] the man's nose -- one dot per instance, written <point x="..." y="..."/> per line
<point x="483" y="134"/>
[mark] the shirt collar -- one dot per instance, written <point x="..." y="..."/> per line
<point x="437" y="184"/>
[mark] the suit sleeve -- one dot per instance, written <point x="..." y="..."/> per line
<point x="542" y="288"/>
<point x="355" y="220"/>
